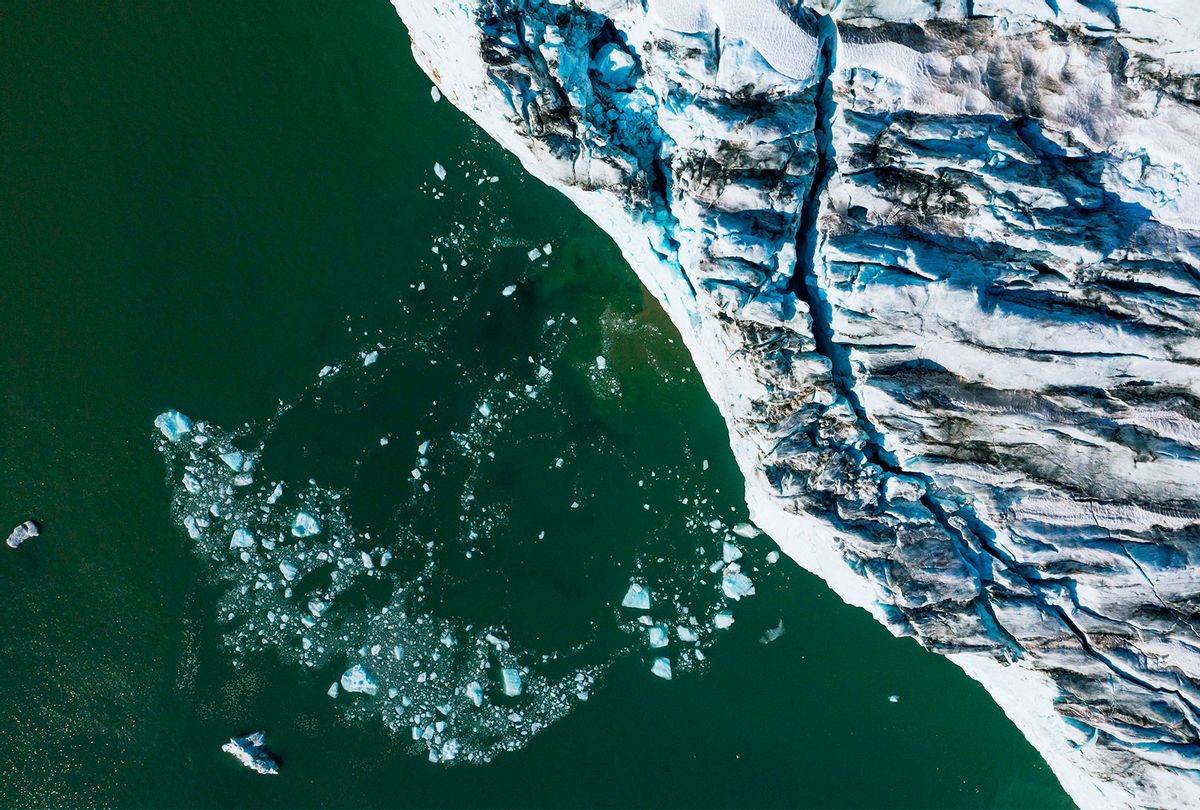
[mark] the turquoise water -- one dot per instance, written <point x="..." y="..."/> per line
<point x="204" y="207"/>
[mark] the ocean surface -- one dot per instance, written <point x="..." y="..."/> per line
<point x="232" y="209"/>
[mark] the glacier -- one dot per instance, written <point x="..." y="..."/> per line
<point x="936" y="262"/>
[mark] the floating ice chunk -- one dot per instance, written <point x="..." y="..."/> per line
<point x="772" y="634"/>
<point x="289" y="570"/>
<point x="423" y="448"/>
<point x="369" y="358"/>
<point x="22" y="533"/>
<point x="601" y="363"/>
<point x="359" y="679"/>
<point x="193" y="528"/>
<point x="275" y="493"/>
<point x="384" y="559"/>
<point x="233" y="459"/>
<point x="435" y="94"/>
<point x="735" y="584"/>
<point x="547" y="248"/>
<point x="637" y="597"/>
<point x="485" y="409"/>
<point x="248" y="750"/>
<point x="746" y="530"/>
<point x="772" y="557"/>
<point x="475" y="693"/>
<point x="332" y="691"/>
<point x="686" y="634"/>
<point x="366" y="560"/>
<point x="509" y="290"/>
<point x="662" y="668"/>
<point x="305" y="525"/>
<point x="512" y="681"/>
<point x="730" y="552"/>
<point x="173" y="424"/>
<point x="893" y="698"/>
<point x="440" y="171"/>
<point x="191" y="483"/>
<point x="534" y="255"/>
<point x="658" y="636"/>
<point x="723" y="620"/>
<point x="242" y="538"/>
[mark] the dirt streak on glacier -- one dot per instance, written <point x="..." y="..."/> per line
<point x="937" y="265"/>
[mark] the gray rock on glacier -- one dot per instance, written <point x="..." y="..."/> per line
<point x="938" y="264"/>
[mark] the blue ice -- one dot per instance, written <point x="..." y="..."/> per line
<point x="173" y="424"/>
<point x="637" y="597"/>
<point x="305" y="525"/>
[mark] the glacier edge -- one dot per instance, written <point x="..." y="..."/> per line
<point x="970" y="552"/>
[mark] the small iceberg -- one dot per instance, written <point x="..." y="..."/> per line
<point x="658" y="636"/>
<point x="723" y="620"/>
<point x="242" y="538"/>
<point x="662" y="668"/>
<point x="249" y="751"/>
<point x="730" y="552"/>
<point x="475" y="693"/>
<point x="22" y="533"/>
<point x="735" y="584"/>
<point x="233" y="459"/>
<point x="289" y="570"/>
<point x="440" y="171"/>
<point x="173" y="424"/>
<point x="772" y="634"/>
<point x="359" y="679"/>
<point x="305" y="525"/>
<point x="512" y="681"/>
<point x="637" y="597"/>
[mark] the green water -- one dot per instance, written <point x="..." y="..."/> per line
<point x="204" y="205"/>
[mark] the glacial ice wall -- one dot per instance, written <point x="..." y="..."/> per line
<point x="937" y="263"/>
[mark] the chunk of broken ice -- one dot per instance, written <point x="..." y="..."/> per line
<point x="233" y="459"/>
<point x="746" y="530"/>
<point x="509" y="290"/>
<point x="601" y="363"/>
<point x="275" y="493"/>
<point x="658" y="636"/>
<point x="475" y="693"/>
<point x="723" y="620"/>
<point x="735" y="584"/>
<point x="662" y="668"/>
<point x="772" y="557"/>
<point x="305" y="525"/>
<point x="22" y="533"/>
<point x="686" y="634"/>
<point x="288" y="569"/>
<point x="730" y="552"/>
<point x="173" y="424"/>
<point x="248" y="750"/>
<point x="637" y="597"/>
<point x="485" y="409"/>
<point x="772" y="633"/>
<point x="614" y="65"/>
<point x="512" y="681"/>
<point x="242" y="538"/>
<point x="359" y="679"/>
<point x="534" y="254"/>
<point x="369" y="358"/>
<point x="435" y="94"/>
<point x="440" y="171"/>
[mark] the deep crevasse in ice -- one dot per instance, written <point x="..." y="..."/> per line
<point x="937" y="264"/>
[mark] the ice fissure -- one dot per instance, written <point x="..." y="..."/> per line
<point x="937" y="263"/>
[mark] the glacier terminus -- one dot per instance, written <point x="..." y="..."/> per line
<point x="937" y="262"/>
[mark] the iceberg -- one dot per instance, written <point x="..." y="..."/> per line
<point x="359" y="679"/>
<point x="249" y="751"/>
<point x="242" y="538"/>
<point x="305" y="525"/>
<point x="662" y="668"/>
<point x="735" y="584"/>
<point x="173" y="424"/>
<point x="511" y="679"/>
<point x="637" y="597"/>
<point x="22" y="533"/>
<point x="658" y="635"/>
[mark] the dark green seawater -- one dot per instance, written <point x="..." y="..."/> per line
<point x="201" y="205"/>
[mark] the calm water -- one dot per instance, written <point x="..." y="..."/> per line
<point x="204" y="206"/>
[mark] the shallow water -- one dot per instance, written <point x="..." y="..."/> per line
<point x="203" y="208"/>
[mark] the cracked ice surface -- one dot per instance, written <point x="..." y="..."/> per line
<point x="937" y="263"/>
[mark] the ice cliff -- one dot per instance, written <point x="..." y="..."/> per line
<point x="938" y="264"/>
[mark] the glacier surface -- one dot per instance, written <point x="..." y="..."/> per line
<point x="937" y="263"/>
